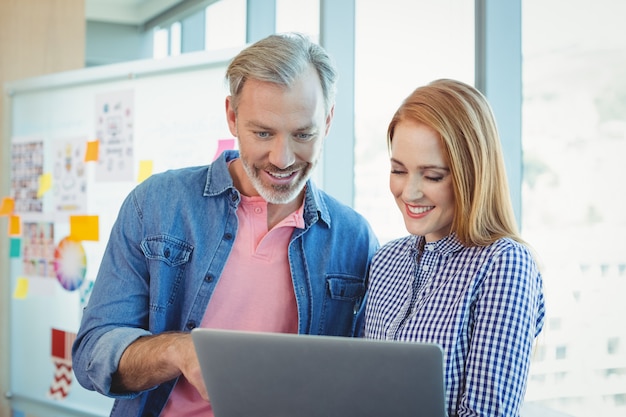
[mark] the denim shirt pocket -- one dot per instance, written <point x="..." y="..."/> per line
<point x="167" y="258"/>
<point x="344" y="296"/>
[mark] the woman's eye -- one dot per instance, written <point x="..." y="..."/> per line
<point x="433" y="179"/>
<point x="397" y="172"/>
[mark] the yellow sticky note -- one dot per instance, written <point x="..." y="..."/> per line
<point x="15" y="226"/>
<point x="145" y="170"/>
<point x="84" y="228"/>
<point x="91" y="154"/>
<point x="45" y="183"/>
<point x="21" y="290"/>
<point x="7" y="207"/>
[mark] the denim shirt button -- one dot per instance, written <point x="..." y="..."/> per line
<point x="208" y="278"/>
<point x="191" y="325"/>
<point x="228" y="236"/>
<point x="167" y="253"/>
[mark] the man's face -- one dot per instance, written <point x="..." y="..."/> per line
<point x="280" y="132"/>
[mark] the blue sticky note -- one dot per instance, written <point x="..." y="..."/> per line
<point x="15" y="247"/>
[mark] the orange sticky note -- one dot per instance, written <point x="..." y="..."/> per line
<point x="145" y="170"/>
<point x="45" y="183"/>
<point x="84" y="228"/>
<point x="8" y="204"/>
<point x="15" y="226"/>
<point x="91" y="154"/>
<point x="21" y="290"/>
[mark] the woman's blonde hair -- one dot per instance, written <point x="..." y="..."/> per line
<point x="463" y="118"/>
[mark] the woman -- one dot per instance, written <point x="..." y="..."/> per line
<point x="463" y="278"/>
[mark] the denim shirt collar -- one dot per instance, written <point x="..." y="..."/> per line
<point x="219" y="181"/>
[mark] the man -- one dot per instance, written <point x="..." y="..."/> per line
<point x="246" y="243"/>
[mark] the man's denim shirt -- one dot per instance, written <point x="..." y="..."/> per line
<point x="167" y="251"/>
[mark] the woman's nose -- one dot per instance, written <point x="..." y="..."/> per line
<point x="413" y="190"/>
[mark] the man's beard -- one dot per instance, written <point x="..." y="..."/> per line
<point x="281" y="193"/>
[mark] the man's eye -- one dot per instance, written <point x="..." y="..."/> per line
<point x="304" y="136"/>
<point x="263" y="135"/>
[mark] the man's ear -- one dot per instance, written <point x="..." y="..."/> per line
<point x="231" y="116"/>
<point x="329" y="119"/>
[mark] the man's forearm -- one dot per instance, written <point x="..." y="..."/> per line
<point x="150" y="361"/>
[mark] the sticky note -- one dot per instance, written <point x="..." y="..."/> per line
<point x="8" y="204"/>
<point x="15" y="247"/>
<point x="45" y="183"/>
<point x="145" y="170"/>
<point x="84" y="228"/>
<point x="223" y="145"/>
<point x="21" y="290"/>
<point x="15" y="226"/>
<point x="91" y="154"/>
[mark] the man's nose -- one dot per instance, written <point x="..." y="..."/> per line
<point x="281" y="153"/>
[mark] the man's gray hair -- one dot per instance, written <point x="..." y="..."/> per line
<point x="280" y="59"/>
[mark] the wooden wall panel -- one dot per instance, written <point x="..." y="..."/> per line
<point x="37" y="37"/>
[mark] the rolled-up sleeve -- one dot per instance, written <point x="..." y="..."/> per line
<point x="118" y="310"/>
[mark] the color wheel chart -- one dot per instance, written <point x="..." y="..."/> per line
<point x="70" y="263"/>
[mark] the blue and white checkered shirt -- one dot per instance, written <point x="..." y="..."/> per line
<point x="483" y="305"/>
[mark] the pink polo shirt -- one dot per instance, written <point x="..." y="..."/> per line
<point x="255" y="291"/>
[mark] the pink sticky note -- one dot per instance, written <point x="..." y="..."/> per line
<point x="223" y="145"/>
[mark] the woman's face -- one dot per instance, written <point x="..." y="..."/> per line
<point x="421" y="181"/>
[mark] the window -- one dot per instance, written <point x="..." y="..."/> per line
<point x="160" y="45"/>
<point x="613" y="346"/>
<point x="298" y="16"/>
<point x="400" y="45"/>
<point x="175" y="39"/>
<point x="167" y="41"/>
<point x="554" y="323"/>
<point x="574" y="143"/>
<point x="225" y="24"/>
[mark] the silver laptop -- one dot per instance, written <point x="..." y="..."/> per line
<point x="286" y="375"/>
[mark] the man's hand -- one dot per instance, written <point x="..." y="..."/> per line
<point x="152" y="360"/>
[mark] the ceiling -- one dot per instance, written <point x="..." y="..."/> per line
<point x="131" y="12"/>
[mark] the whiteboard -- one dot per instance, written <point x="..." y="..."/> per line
<point x="178" y="119"/>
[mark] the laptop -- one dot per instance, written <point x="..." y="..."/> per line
<point x="287" y="375"/>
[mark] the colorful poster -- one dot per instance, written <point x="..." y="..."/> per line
<point x="114" y="131"/>
<point x="38" y="250"/>
<point x="26" y="168"/>
<point x="62" y="358"/>
<point x="69" y="177"/>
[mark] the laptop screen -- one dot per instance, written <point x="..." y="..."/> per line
<point x="288" y="375"/>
